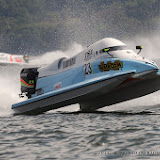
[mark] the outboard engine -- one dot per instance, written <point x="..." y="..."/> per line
<point x="28" y="81"/>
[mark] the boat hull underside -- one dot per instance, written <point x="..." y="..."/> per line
<point x="121" y="94"/>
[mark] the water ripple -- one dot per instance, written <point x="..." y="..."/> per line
<point x="76" y="135"/>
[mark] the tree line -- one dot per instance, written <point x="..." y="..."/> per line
<point x="38" y="26"/>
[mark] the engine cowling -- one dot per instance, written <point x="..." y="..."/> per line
<point x="28" y="81"/>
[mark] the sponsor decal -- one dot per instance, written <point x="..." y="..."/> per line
<point x="69" y="62"/>
<point x="116" y="65"/>
<point x="88" y="68"/>
<point x="18" y="59"/>
<point x="58" y="86"/>
<point x="88" y="55"/>
<point x="30" y="84"/>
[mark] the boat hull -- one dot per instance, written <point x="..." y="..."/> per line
<point x="103" y="74"/>
<point x="121" y="94"/>
<point x="77" y="95"/>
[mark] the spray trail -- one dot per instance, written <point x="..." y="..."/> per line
<point x="10" y="77"/>
<point x="9" y="84"/>
<point x="49" y="57"/>
<point x="151" y="47"/>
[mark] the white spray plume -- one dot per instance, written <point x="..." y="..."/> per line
<point x="10" y="88"/>
<point x="49" y="57"/>
<point x="10" y="77"/>
<point x="151" y="45"/>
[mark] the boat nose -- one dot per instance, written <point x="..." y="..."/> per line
<point x="151" y="66"/>
<point x="146" y="70"/>
<point x="142" y="66"/>
<point x="149" y="61"/>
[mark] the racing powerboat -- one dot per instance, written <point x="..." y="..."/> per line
<point x="10" y="59"/>
<point x="103" y="74"/>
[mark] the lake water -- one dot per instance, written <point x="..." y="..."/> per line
<point x="124" y="134"/>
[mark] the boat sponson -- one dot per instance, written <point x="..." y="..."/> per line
<point x="72" y="96"/>
<point x="121" y="94"/>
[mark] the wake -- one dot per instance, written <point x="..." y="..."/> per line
<point x="10" y="77"/>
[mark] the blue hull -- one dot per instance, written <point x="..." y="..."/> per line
<point x="70" y="95"/>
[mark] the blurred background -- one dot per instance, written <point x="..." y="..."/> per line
<point x="38" y="26"/>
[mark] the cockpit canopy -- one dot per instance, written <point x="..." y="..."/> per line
<point x="107" y="43"/>
<point x="103" y="49"/>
